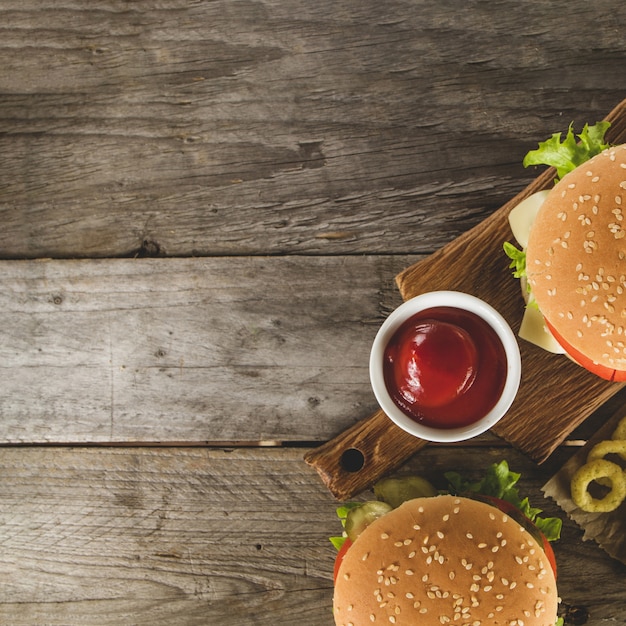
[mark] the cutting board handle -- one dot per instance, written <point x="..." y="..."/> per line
<point x="358" y="457"/>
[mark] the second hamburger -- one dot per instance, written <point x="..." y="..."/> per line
<point x="574" y="255"/>
<point x="445" y="560"/>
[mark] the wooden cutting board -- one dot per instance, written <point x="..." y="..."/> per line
<point x="555" y="395"/>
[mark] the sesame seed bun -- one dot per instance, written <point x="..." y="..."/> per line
<point x="445" y="560"/>
<point x="576" y="259"/>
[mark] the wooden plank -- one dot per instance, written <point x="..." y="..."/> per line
<point x="222" y="349"/>
<point x="269" y="127"/>
<point x="144" y="536"/>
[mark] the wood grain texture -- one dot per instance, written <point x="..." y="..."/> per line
<point x="219" y="350"/>
<point x="273" y="126"/>
<point x="252" y="133"/>
<point x="159" y="536"/>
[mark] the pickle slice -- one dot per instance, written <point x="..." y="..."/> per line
<point x="359" y="518"/>
<point x="395" y="491"/>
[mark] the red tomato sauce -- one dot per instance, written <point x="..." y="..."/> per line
<point x="445" y="367"/>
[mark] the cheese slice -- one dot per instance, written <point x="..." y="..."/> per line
<point x="521" y="218"/>
<point x="533" y="327"/>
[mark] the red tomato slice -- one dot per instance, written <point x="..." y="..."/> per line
<point x="547" y="548"/>
<point x="599" y="370"/>
<point x="339" y="558"/>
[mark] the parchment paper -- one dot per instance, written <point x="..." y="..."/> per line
<point x="608" y="530"/>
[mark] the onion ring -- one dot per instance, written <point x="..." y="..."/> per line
<point x="610" y="446"/>
<point x="591" y="471"/>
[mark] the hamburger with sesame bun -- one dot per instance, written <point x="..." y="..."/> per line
<point x="445" y="560"/>
<point x="574" y="252"/>
<point x="448" y="558"/>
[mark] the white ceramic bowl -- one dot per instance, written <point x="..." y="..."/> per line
<point x="456" y="300"/>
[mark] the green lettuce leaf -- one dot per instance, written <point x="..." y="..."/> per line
<point x="499" y="482"/>
<point x="342" y="514"/>
<point x="568" y="154"/>
<point x="518" y="259"/>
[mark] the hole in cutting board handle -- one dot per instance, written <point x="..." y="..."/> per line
<point x="352" y="460"/>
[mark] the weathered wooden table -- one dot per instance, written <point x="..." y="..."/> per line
<point x="203" y="207"/>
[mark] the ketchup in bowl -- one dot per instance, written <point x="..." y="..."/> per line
<point x="445" y="367"/>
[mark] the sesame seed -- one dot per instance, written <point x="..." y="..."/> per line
<point x="384" y="536"/>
